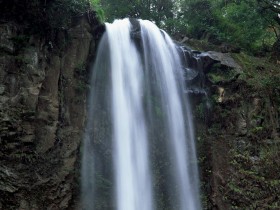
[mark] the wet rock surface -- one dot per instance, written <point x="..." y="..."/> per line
<point x="42" y="115"/>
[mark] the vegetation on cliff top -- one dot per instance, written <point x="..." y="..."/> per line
<point x="252" y="25"/>
<point x="42" y="15"/>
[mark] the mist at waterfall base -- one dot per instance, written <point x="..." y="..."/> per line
<point x="138" y="150"/>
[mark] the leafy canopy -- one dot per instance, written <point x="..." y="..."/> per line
<point x="250" y="24"/>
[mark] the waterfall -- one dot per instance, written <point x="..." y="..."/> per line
<point x="139" y="149"/>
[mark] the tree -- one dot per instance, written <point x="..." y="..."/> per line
<point x="156" y="10"/>
<point x="237" y="22"/>
<point x="249" y="24"/>
<point x="271" y="9"/>
<point x="273" y="6"/>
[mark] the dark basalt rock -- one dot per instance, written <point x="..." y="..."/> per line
<point x="197" y="67"/>
<point x="136" y="29"/>
<point x="42" y="115"/>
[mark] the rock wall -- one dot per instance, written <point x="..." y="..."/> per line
<point x="238" y="129"/>
<point x="43" y="85"/>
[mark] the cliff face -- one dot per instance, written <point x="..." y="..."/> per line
<point x="43" y="85"/>
<point x="42" y="115"/>
<point x="238" y="135"/>
<point x="244" y="138"/>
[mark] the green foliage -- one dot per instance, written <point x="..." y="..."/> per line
<point x="80" y="68"/>
<point x="95" y="5"/>
<point x="271" y="8"/>
<point x="255" y="178"/>
<point x="41" y="15"/>
<point x="247" y="24"/>
<point x="69" y="8"/>
<point x="161" y="12"/>
<point x="81" y="87"/>
<point x="241" y="23"/>
<point x="199" y="16"/>
<point x="250" y="24"/>
<point x="261" y="73"/>
<point x="235" y="22"/>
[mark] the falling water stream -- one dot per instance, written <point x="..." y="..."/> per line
<point x="137" y="105"/>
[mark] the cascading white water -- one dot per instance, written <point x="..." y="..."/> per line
<point x="169" y="76"/>
<point x="133" y="178"/>
<point x="134" y="72"/>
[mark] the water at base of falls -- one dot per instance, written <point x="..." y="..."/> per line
<point x="139" y="149"/>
